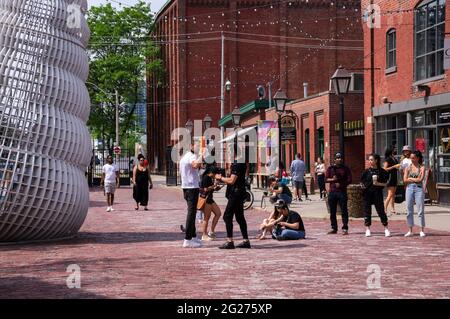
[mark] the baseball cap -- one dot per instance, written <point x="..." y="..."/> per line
<point x="406" y="148"/>
<point x="280" y="204"/>
<point x="338" y="155"/>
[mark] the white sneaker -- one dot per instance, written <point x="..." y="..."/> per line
<point x="422" y="234"/>
<point x="191" y="244"/>
<point x="108" y="209"/>
<point x="368" y="234"/>
<point x="112" y="209"/>
<point x="197" y="240"/>
<point x="408" y="234"/>
<point x="387" y="233"/>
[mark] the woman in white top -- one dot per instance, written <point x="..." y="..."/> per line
<point x="320" y="173"/>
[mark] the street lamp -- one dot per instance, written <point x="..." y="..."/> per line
<point x="207" y="122"/>
<point x="341" y="83"/>
<point x="228" y="85"/>
<point x="236" y="117"/>
<point x="280" y="99"/>
<point x="189" y="126"/>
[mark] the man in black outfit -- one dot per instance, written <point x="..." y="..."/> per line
<point x="235" y="194"/>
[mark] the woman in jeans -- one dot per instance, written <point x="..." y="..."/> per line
<point x="320" y="172"/>
<point x="413" y="178"/>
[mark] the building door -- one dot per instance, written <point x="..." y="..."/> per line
<point x="320" y="142"/>
<point x="307" y="151"/>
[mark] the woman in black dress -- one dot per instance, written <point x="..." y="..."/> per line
<point x="391" y="165"/>
<point x="142" y="183"/>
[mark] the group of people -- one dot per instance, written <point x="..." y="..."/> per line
<point x="373" y="180"/>
<point x="141" y="179"/>
<point x="282" y="223"/>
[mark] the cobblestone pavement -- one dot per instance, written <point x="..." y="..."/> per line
<point x="129" y="254"/>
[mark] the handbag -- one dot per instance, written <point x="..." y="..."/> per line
<point x="201" y="203"/>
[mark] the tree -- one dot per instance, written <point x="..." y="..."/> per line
<point x="121" y="54"/>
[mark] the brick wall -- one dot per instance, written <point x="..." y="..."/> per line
<point x="193" y="68"/>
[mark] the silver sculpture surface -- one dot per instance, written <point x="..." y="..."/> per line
<point x="44" y="105"/>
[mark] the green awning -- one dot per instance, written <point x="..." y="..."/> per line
<point x="246" y="109"/>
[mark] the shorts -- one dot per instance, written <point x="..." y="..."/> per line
<point x="298" y="184"/>
<point x="110" y="188"/>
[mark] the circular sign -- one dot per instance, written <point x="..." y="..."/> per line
<point x="117" y="150"/>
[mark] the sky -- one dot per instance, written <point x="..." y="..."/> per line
<point x="155" y="4"/>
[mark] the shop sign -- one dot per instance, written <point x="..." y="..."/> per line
<point x="288" y="128"/>
<point x="447" y="54"/>
<point x="445" y="139"/>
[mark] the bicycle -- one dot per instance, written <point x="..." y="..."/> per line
<point x="249" y="197"/>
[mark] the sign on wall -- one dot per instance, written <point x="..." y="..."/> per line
<point x="447" y="54"/>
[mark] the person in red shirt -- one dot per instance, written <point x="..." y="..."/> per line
<point x="339" y="177"/>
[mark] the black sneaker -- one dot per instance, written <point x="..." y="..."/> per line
<point x="281" y="238"/>
<point x="244" y="244"/>
<point x="331" y="232"/>
<point x="183" y="230"/>
<point x="227" y="245"/>
<point x="345" y="232"/>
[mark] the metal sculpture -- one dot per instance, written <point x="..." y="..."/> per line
<point x="44" y="106"/>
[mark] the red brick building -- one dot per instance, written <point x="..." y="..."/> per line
<point x="407" y="92"/>
<point x="287" y="43"/>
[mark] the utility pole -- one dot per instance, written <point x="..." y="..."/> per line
<point x="117" y="118"/>
<point x="222" y="96"/>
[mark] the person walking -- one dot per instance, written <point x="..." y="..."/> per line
<point x="235" y="194"/>
<point x="373" y="180"/>
<point x="413" y="178"/>
<point x="298" y="169"/>
<point x="391" y="165"/>
<point x="320" y="175"/>
<point x="339" y="177"/>
<point x="405" y="160"/>
<point x="142" y="182"/>
<point x="110" y="181"/>
<point x="189" y="165"/>
<point x="208" y="187"/>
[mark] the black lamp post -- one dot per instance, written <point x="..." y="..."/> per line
<point x="236" y="117"/>
<point x="207" y="125"/>
<point x="341" y="83"/>
<point x="190" y="126"/>
<point x="280" y="99"/>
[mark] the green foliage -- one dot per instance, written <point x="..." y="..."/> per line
<point x="121" y="54"/>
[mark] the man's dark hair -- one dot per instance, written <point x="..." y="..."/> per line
<point x="299" y="156"/>
<point x="272" y="179"/>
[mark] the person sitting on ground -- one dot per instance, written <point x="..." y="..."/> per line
<point x="268" y="223"/>
<point x="279" y="191"/>
<point x="291" y="225"/>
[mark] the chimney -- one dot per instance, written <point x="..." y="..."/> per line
<point x="305" y="90"/>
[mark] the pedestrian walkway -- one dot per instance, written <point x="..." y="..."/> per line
<point x="138" y="254"/>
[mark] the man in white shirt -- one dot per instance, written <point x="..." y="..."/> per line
<point x="190" y="182"/>
<point x="110" y="180"/>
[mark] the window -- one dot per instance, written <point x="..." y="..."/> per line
<point x="391" y="47"/>
<point x="321" y="141"/>
<point x="429" y="39"/>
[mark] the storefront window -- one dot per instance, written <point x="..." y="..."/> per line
<point x="444" y="169"/>
<point x="444" y="139"/>
<point x="430" y="117"/>
<point x="419" y="118"/>
<point x="392" y="122"/>
<point x="401" y="121"/>
<point x="444" y="116"/>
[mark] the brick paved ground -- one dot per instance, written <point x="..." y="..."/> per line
<point x="128" y="254"/>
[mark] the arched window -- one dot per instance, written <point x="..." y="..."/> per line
<point x="391" y="49"/>
<point x="429" y="34"/>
